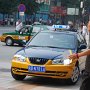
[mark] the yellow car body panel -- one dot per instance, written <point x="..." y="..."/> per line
<point x="14" y="37"/>
<point x="53" y="71"/>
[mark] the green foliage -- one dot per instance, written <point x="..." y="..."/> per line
<point x="9" y="6"/>
<point x="31" y="6"/>
<point x="70" y="3"/>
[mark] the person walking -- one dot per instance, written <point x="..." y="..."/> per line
<point x="86" y="74"/>
<point x="84" y="30"/>
<point x="81" y="28"/>
<point x="71" y="26"/>
<point x="19" y="25"/>
<point x="88" y="26"/>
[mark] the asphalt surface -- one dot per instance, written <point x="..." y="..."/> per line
<point x="6" y="29"/>
<point x="30" y="83"/>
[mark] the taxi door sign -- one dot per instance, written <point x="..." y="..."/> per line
<point x="21" y="37"/>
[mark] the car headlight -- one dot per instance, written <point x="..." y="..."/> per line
<point x="62" y="61"/>
<point x="19" y="58"/>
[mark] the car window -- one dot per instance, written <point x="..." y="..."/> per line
<point x="80" y="38"/>
<point x="54" y="39"/>
<point x="22" y="29"/>
<point x="36" y="29"/>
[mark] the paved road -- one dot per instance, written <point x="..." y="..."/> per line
<point x="6" y="29"/>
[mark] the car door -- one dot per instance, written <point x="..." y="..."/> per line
<point x="25" y="34"/>
<point x="82" y="60"/>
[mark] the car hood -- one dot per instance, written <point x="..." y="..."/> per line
<point x="48" y="53"/>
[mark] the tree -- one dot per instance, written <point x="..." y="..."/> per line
<point x="7" y="7"/>
<point x="31" y="6"/>
<point x="10" y="6"/>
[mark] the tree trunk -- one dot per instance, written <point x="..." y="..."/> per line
<point x="3" y="19"/>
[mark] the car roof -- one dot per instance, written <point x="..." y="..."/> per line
<point x="28" y="25"/>
<point x="36" y="23"/>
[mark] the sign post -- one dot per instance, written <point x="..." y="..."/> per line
<point x="21" y="9"/>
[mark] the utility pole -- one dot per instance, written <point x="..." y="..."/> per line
<point x="82" y="9"/>
<point x="82" y="6"/>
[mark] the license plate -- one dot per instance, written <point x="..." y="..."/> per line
<point x="36" y="68"/>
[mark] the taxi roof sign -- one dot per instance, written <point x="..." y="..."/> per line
<point x="60" y="26"/>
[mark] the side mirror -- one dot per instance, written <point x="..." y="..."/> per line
<point x="82" y="46"/>
<point x="21" y="33"/>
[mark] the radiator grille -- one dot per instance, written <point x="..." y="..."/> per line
<point x="39" y="61"/>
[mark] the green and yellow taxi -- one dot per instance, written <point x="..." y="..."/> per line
<point x="23" y="35"/>
<point x="46" y="55"/>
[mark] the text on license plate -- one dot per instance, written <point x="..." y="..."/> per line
<point x="36" y="68"/>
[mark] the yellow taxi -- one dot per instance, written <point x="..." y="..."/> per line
<point x="45" y="55"/>
<point x="22" y="36"/>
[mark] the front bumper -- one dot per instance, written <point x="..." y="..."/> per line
<point x="53" y="71"/>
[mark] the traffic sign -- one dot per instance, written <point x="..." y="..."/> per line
<point x="21" y="8"/>
<point x="21" y="13"/>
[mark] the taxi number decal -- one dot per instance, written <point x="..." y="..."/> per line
<point x="21" y="37"/>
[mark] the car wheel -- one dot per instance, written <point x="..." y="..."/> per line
<point x="20" y="44"/>
<point x="75" y="75"/>
<point x="17" y="77"/>
<point x="9" y="41"/>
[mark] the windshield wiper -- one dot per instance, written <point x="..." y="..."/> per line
<point x="33" y="46"/>
<point x="51" y="47"/>
<point x="47" y="46"/>
<point x="56" y="47"/>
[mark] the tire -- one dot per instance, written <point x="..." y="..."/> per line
<point x="17" y="77"/>
<point x="9" y="41"/>
<point x="75" y="76"/>
<point x="20" y="44"/>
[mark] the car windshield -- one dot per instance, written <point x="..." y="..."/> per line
<point x="53" y="40"/>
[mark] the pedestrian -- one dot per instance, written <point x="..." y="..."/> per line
<point x="86" y="74"/>
<point x="81" y="28"/>
<point x="40" y="20"/>
<point x="84" y="31"/>
<point x="71" y="26"/>
<point x="19" y="25"/>
<point x="11" y="21"/>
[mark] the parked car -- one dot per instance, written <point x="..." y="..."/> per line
<point x="45" y="55"/>
<point x="23" y="35"/>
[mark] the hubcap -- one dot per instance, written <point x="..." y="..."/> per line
<point x="9" y="42"/>
<point x="75" y="74"/>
